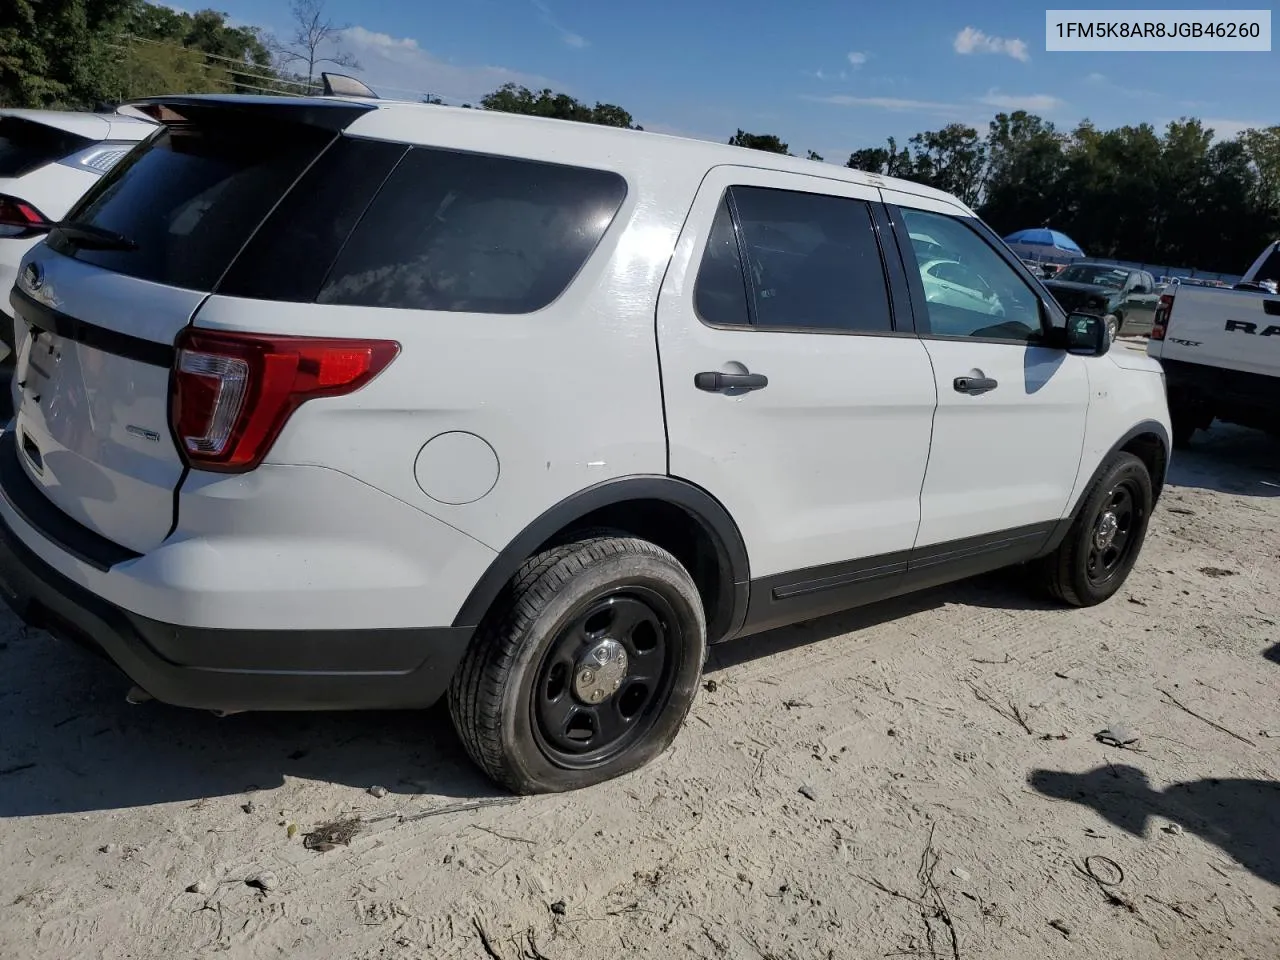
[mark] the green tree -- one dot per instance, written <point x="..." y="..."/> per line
<point x="1024" y="164"/>
<point x="55" y="53"/>
<point x="952" y="159"/>
<point x="759" y="141"/>
<point x="514" y="98"/>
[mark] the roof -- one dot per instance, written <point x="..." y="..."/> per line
<point x="415" y="122"/>
<point x="93" y="126"/>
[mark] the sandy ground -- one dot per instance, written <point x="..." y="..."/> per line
<point x="917" y="779"/>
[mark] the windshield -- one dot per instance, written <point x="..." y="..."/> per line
<point x="1098" y="276"/>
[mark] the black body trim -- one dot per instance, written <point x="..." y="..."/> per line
<point x="46" y="318"/>
<point x="904" y="318"/>
<point x="705" y="510"/>
<point x="235" y="669"/>
<point x="332" y="115"/>
<point x="800" y="595"/>
<point x="26" y="500"/>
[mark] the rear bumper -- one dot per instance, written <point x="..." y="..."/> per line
<point x="234" y="669"/>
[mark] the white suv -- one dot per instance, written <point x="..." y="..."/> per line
<point x="48" y="159"/>
<point x="352" y="403"/>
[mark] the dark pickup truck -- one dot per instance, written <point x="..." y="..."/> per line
<point x="1126" y="299"/>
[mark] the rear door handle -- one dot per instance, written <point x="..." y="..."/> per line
<point x="714" y="381"/>
<point x="974" y="384"/>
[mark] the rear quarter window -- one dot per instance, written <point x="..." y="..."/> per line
<point x="464" y="232"/>
<point x="26" y="145"/>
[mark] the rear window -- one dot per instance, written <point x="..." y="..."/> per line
<point x="466" y="232"/>
<point x="26" y="145"/>
<point x="190" y="198"/>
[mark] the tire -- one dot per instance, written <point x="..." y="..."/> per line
<point x="1183" y="429"/>
<point x="519" y="700"/>
<point x="1077" y="572"/>
<point x="1114" y="324"/>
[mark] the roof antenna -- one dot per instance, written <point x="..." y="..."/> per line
<point x="339" y="85"/>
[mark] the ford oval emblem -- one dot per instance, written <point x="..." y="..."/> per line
<point x="33" y="276"/>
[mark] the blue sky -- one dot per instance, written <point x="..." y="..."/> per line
<point x="824" y="75"/>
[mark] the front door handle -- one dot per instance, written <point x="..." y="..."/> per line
<point x="714" y="381"/>
<point x="974" y="384"/>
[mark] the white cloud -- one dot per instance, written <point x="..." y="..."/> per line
<point x="1230" y="129"/>
<point x="575" y="40"/>
<point x="971" y="40"/>
<point x="1096" y="78"/>
<point x="857" y="58"/>
<point x="1034" y="102"/>
<point x="396" y="67"/>
<point x="888" y="103"/>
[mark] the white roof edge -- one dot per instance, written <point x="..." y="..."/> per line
<point x="717" y="153"/>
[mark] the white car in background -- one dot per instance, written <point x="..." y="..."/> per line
<point x="955" y="285"/>
<point x="48" y="159"/>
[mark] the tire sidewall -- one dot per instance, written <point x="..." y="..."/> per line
<point x="659" y="574"/>
<point x="1127" y="466"/>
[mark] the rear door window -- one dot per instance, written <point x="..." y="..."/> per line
<point x="467" y="232"/>
<point x="813" y="261"/>
<point x="26" y="145"/>
<point x="186" y="202"/>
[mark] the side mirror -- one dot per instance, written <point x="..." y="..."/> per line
<point x="1087" y="335"/>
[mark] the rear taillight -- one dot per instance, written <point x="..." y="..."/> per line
<point x="20" y="217"/>
<point x="1164" y="310"/>
<point x="232" y="393"/>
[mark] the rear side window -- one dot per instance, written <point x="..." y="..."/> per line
<point x="813" y="263"/>
<point x="287" y="259"/>
<point x="187" y="201"/>
<point x="26" y="145"/>
<point x="466" y="232"/>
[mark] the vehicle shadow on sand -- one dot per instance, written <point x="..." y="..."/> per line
<point x="1229" y="459"/>
<point x="1240" y="817"/>
<point x="71" y="744"/>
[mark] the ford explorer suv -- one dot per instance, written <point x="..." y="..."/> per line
<point x="348" y="403"/>
<point x="48" y="159"/>
<point x="1124" y="298"/>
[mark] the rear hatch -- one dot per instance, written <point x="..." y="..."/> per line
<point x="101" y="302"/>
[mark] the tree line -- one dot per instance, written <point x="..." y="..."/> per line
<point x="1179" y="196"/>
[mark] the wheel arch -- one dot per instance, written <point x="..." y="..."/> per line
<point x="1149" y="442"/>
<point x="676" y="515"/>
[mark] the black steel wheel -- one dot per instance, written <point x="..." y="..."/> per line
<point x="605" y="677"/>
<point x="584" y="669"/>
<point x="1113" y="539"/>
<point x="1095" y="557"/>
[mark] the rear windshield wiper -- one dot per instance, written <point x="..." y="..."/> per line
<point x="93" y="238"/>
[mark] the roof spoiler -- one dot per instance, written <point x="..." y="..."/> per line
<point x="340" y="85"/>
<point x="332" y="115"/>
